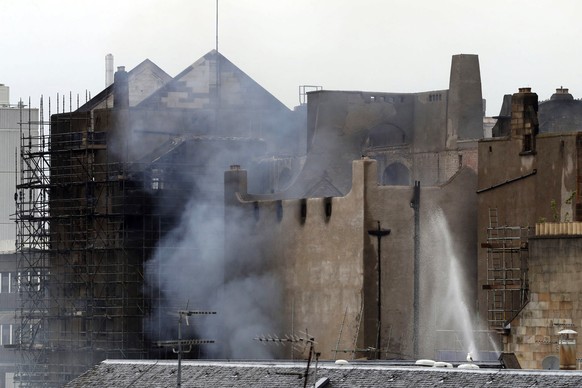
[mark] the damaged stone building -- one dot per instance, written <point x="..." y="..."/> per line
<point x="330" y="219"/>
<point x="102" y="187"/>
<point x="375" y="162"/>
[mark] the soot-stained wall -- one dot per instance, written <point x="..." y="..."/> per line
<point x="325" y="260"/>
<point x="425" y="136"/>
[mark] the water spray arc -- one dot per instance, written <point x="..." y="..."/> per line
<point x="450" y="295"/>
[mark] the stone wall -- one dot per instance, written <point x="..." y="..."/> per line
<point x="318" y="259"/>
<point x="327" y="262"/>
<point x="533" y="181"/>
<point x="555" y="302"/>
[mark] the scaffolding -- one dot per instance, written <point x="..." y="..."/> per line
<point x="507" y="284"/>
<point x="32" y="245"/>
<point x="83" y="231"/>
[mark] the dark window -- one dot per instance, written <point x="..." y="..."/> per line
<point x="279" y="210"/>
<point x="327" y="205"/>
<point x="6" y="334"/>
<point x="5" y="286"/>
<point x="386" y="135"/>
<point x="527" y="143"/>
<point x="14" y="282"/>
<point x="256" y="210"/>
<point x="396" y="174"/>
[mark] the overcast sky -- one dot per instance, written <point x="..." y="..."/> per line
<point x="50" y="46"/>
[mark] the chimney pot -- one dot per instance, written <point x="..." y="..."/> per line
<point x="121" y="88"/>
<point x="108" y="69"/>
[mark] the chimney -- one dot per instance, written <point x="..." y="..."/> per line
<point x="567" y="344"/>
<point x="235" y="181"/>
<point x="524" y="118"/>
<point x="108" y="69"/>
<point x="465" y="109"/>
<point x="121" y="89"/>
<point x="562" y="93"/>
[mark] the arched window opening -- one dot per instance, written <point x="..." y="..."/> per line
<point x="386" y="135"/>
<point x="396" y="174"/>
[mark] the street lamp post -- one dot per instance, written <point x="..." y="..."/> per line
<point x="379" y="233"/>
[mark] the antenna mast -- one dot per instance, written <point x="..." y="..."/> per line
<point x="217" y="78"/>
<point x="216" y="25"/>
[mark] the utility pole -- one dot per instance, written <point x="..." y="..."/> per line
<point x="379" y="233"/>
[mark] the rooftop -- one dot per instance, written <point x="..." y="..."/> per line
<point x="152" y="373"/>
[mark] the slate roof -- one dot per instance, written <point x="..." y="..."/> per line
<point x="152" y="373"/>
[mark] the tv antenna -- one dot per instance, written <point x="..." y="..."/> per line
<point x="183" y="315"/>
<point x="295" y="339"/>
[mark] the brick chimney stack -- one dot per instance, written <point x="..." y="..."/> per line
<point x="121" y="88"/>
<point x="524" y="118"/>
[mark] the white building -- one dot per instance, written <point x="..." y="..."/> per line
<point x="10" y="119"/>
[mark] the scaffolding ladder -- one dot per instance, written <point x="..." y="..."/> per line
<point x="507" y="286"/>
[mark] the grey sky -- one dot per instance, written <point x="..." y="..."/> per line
<point x="373" y="45"/>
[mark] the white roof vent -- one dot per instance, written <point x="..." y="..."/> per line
<point x="429" y="363"/>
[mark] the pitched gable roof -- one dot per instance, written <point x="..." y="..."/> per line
<point x="143" y="80"/>
<point x="196" y="87"/>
